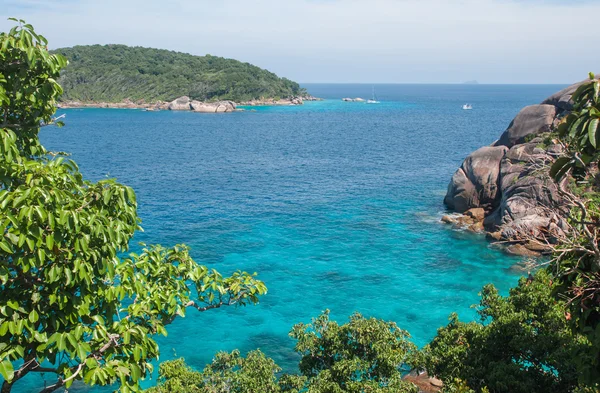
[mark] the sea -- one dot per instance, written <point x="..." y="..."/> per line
<point x="336" y="205"/>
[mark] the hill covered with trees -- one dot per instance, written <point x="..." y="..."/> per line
<point x="113" y="73"/>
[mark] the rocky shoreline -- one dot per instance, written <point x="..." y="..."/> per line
<point x="504" y="189"/>
<point x="184" y="103"/>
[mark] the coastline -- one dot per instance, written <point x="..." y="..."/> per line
<point x="184" y="103"/>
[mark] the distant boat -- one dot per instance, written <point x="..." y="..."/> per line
<point x="467" y="107"/>
<point x="374" y="99"/>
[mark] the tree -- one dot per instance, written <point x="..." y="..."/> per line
<point x="228" y="373"/>
<point x="71" y="306"/>
<point x="363" y="355"/>
<point x="576" y="261"/>
<point x="523" y="343"/>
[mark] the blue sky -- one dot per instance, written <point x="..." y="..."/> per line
<point x="374" y="41"/>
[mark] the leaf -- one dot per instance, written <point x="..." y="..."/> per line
<point x="7" y="371"/>
<point x="13" y="304"/>
<point x="558" y="168"/>
<point x="593" y="126"/>
<point x="136" y="372"/>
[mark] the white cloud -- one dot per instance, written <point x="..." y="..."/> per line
<point x="494" y="41"/>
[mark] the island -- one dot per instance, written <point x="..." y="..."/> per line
<point x="120" y="76"/>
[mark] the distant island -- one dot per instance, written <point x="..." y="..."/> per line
<point x="123" y="76"/>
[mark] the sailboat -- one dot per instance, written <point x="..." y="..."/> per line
<point x="373" y="100"/>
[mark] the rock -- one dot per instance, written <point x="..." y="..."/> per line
<point x="537" y="247"/>
<point x="448" y="219"/>
<point x="521" y="250"/>
<point x="477" y="227"/>
<point x="494" y="236"/>
<point x="424" y="382"/>
<point x="510" y="179"/>
<point x="526" y="193"/>
<point x="475" y="183"/>
<point x="436" y="382"/>
<point x="464" y="221"/>
<point x="562" y="99"/>
<point x="476" y="213"/>
<point x="212" y="107"/>
<point x="180" y="104"/>
<point x="533" y="119"/>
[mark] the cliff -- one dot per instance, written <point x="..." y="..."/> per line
<point x="507" y="184"/>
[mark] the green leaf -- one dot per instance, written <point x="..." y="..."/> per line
<point x="13" y="304"/>
<point x="136" y="372"/>
<point x="6" y="370"/>
<point x="593" y="126"/>
<point x="560" y="166"/>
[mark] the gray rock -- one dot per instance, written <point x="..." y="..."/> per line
<point x="527" y="192"/>
<point x="180" y="104"/>
<point x="533" y="119"/>
<point x="562" y="99"/>
<point x="212" y="107"/>
<point x="475" y="183"/>
<point x="513" y="185"/>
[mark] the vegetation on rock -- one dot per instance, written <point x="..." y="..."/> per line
<point x="114" y="73"/>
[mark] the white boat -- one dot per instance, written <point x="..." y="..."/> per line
<point x="374" y="99"/>
<point x="467" y="107"/>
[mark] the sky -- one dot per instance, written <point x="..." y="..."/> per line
<point x="344" y="41"/>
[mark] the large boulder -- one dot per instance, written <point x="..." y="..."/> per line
<point x="512" y="184"/>
<point x="213" y="107"/>
<point x="527" y="191"/>
<point x="180" y="104"/>
<point x="562" y="99"/>
<point x="533" y="119"/>
<point x="475" y="183"/>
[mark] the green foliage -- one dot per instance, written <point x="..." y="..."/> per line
<point x="228" y="373"/>
<point x="70" y="305"/>
<point x="363" y="355"/>
<point x="113" y="73"/>
<point x="523" y="343"/>
<point x="579" y="131"/>
<point x="459" y="386"/>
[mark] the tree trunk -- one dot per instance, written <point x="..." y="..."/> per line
<point x="6" y="387"/>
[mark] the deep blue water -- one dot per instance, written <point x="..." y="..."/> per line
<point x="336" y="205"/>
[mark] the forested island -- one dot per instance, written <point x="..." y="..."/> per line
<point x="115" y="74"/>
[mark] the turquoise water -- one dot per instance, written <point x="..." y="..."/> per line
<point x="336" y="205"/>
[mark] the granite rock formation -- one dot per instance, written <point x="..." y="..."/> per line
<point x="509" y="180"/>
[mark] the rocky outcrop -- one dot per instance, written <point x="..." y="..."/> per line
<point x="212" y="107"/>
<point x="184" y="103"/>
<point x="180" y="104"/>
<point x="509" y="180"/>
<point x="424" y="382"/>
<point x="533" y="119"/>
<point x="280" y="102"/>
<point x="475" y="183"/>
<point x="126" y="104"/>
